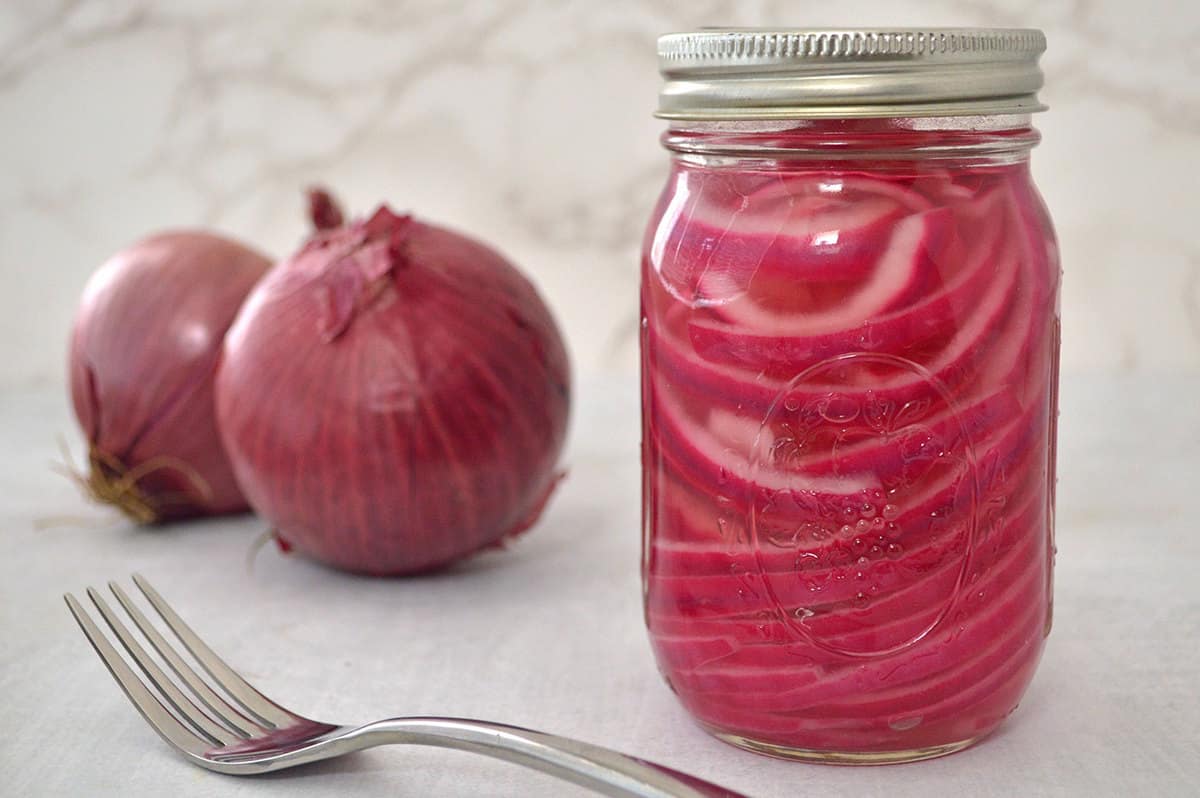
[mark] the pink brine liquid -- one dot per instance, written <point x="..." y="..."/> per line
<point x="849" y="400"/>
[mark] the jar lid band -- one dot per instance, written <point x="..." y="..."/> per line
<point x="751" y="73"/>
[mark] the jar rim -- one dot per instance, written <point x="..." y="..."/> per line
<point x="821" y="73"/>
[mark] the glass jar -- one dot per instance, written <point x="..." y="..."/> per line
<point x="850" y="340"/>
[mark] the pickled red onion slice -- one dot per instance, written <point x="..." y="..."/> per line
<point x="920" y="618"/>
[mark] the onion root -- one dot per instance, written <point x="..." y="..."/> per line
<point x="109" y="481"/>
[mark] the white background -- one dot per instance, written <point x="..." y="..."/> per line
<point x="549" y="633"/>
<point x="529" y="124"/>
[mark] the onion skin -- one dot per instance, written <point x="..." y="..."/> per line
<point x="394" y="397"/>
<point x="324" y="210"/>
<point x="143" y="355"/>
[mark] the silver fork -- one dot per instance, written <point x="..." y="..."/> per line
<point x="223" y="723"/>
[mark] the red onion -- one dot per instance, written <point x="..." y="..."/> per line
<point x="143" y="355"/>
<point x="394" y="397"/>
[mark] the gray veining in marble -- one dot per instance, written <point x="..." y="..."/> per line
<point x="529" y="124"/>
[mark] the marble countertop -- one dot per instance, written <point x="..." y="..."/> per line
<point x="548" y="634"/>
<point x="529" y="125"/>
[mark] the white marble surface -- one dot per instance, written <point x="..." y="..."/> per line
<point x="549" y="634"/>
<point x="529" y="124"/>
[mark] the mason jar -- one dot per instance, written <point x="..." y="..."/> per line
<point x="849" y="352"/>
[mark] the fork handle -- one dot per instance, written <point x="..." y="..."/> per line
<point x="600" y="769"/>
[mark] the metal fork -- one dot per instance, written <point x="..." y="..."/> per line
<point x="223" y="723"/>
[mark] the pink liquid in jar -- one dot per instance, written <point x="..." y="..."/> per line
<point x="849" y="375"/>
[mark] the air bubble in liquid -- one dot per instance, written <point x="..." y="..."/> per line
<point x="904" y="724"/>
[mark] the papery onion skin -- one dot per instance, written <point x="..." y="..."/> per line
<point x="394" y="397"/>
<point x="324" y="210"/>
<point x="143" y="355"/>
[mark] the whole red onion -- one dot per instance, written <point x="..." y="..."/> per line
<point x="394" y="397"/>
<point x="143" y="355"/>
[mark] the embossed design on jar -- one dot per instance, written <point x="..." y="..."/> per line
<point x="868" y="547"/>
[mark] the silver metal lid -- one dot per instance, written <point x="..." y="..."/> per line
<point x="752" y="73"/>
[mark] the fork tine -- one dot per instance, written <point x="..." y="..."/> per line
<point x="254" y="702"/>
<point x="187" y="710"/>
<point x="162" y="721"/>
<point x="222" y="710"/>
